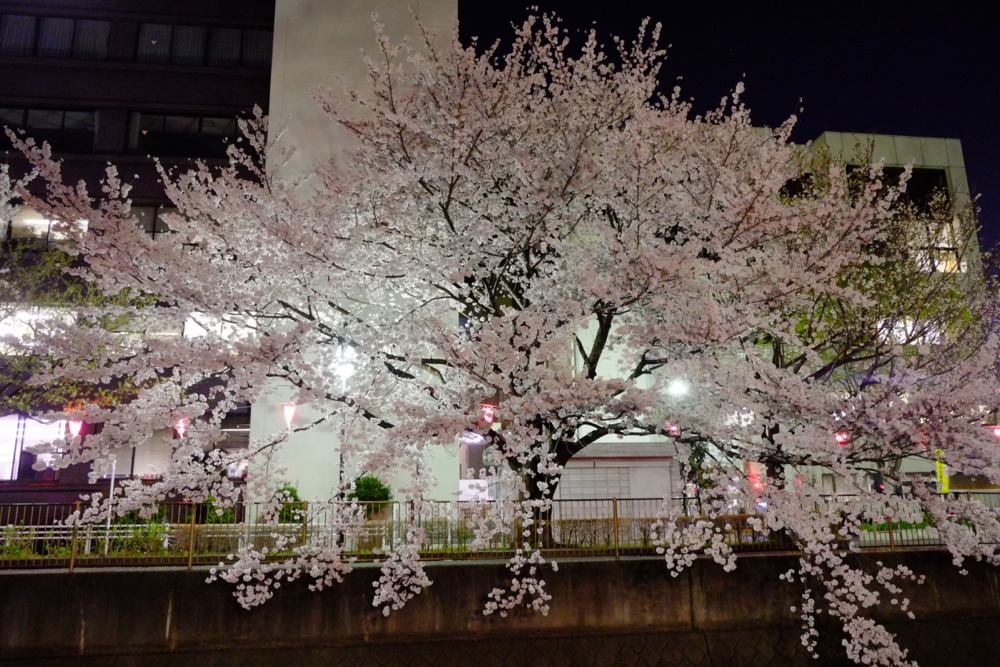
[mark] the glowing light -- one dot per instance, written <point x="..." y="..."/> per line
<point x="673" y="429"/>
<point x="678" y="388"/>
<point x="75" y="427"/>
<point x="489" y="413"/>
<point x="181" y="427"/>
<point x="344" y="367"/>
<point x="842" y="438"/>
<point x="288" y="409"/>
<point x="996" y="430"/>
<point x="472" y="438"/>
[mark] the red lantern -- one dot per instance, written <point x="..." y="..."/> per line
<point x="489" y="413"/>
<point x="289" y="411"/>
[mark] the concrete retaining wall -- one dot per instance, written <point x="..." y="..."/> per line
<point x="603" y="612"/>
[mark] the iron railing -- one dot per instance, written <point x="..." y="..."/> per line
<point x="186" y="534"/>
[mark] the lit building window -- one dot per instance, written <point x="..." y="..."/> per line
<point x="28" y="223"/>
<point x="18" y="434"/>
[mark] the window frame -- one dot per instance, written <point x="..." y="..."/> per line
<point x="212" y="38"/>
<point x="75" y="52"/>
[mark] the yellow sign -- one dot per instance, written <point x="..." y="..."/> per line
<point x="943" y="480"/>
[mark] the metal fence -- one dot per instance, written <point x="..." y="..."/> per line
<point x="186" y="534"/>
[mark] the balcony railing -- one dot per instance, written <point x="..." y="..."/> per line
<point x="186" y="534"/>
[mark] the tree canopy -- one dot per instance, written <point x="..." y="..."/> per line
<point x="542" y="228"/>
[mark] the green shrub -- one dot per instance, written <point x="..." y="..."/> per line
<point x="145" y="540"/>
<point x="292" y="508"/>
<point x="897" y="525"/>
<point x="13" y="544"/>
<point x="215" y="514"/>
<point x="370" y="490"/>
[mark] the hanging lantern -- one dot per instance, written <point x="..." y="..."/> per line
<point x="75" y="427"/>
<point x="289" y="411"/>
<point x="181" y="427"/>
<point x="489" y="413"/>
<point x="842" y="438"/>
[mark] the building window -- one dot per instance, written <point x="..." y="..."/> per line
<point x="224" y="47"/>
<point x="28" y="223"/>
<point x="151" y="219"/>
<point x="179" y="136"/>
<point x="90" y="39"/>
<point x="943" y="253"/>
<point x="65" y="131"/>
<point x="154" y="43"/>
<point x="17" y="35"/>
<point x="236" y="427"/>
<point x="200" y="45"/>
<point x="257" y="48"/>
<point x="945" y="260"/>
<point x="188" y="45"/>
<point x="18" y="434"/>
<point x="54" y="37"/>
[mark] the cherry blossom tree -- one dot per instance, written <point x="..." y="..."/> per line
<point x="34" y="280"/>
<point x="541" y="228"/>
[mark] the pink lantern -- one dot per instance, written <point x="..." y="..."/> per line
<point x="289" y="411"/>
<point x="181" y="427"/>
<point x="996" y="430"/>
<point x="842" y="438"/>
<point x="673" y="429"/>
<point x="489" y="413"/>
<point x="75" y="427"/>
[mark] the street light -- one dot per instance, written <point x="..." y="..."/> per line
<point x="344" y="366"/>
<point x="344" y="369"/>
<point x="678" y="388"/>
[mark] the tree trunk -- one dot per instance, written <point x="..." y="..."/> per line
<point x="543" y="535"/>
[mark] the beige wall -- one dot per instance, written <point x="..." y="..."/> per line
<point x="319" y="43"/>
<point x="899" y="151"/>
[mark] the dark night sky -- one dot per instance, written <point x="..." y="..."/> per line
<point x="891" y="68"/>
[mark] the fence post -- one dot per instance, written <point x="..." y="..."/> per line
<point x="614" y="508"/>
<point x="72" y="542"/>
<point x="892" y="542"/>
<point x="192" y="510"/>
<point x="305" y="523"/>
